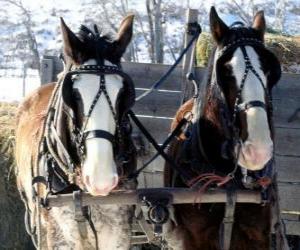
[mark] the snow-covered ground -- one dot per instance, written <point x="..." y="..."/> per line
<point x="11" y="85"/>
<point x="46" y="13"/>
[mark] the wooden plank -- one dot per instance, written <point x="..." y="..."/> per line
<point x="145" y="74"/>
<point x="292" y="227"/>
<point x="283" y="109"/>
<point x="47" y="69"/>
<point x="57" y="65"/>
<point x="287" y="142"/>
<point x="288" y="87"/>
<point x="289" y="197"/>
<point x="288" y="168"/>
<point x="159" y="101"/>
<point x="133" y="197"/>
<point x="164" y="103"/>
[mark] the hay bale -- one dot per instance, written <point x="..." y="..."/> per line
<point x="286" y="48"/>
<point x="12" y="229"/>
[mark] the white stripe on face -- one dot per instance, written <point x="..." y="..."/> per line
<point x="99" y="170"/>
<point x="257" y="150"/>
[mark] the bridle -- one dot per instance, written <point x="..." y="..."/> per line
<point x="61" y="164"/>
<point x="229" y="118"/>
<point x="120" y="123"/>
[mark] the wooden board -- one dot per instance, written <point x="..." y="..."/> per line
<point x="289" y="197"/>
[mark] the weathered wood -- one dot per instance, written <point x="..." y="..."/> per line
<point x="288" y="168"/>
<point x="292" y="227"/>
<point x="145" y="74"/>
<point x="47" y="69"/>
<point x="166" y="103"/>
<point x="289" y="86"/>
<point x="289" y="197"/>
<point x="287" y="141"/>
<point x="292" y="224"/>
<point x="283" y="110"/>
<point x="179" y="196"/>
<point x="189" y="57"/>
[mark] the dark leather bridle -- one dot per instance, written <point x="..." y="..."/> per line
<point x="121" y="122"/>
<point x="228" y="117"/>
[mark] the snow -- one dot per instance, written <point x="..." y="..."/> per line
<point x="11" y="88"/>
<point x="46" y="13"/>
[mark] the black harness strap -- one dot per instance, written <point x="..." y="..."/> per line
<point x="174" y="133"/>
<point x="228" y="220"/>
<point x="149" y="137"/>
<point x="98" y="133"/>
<point x="251" y="104"/>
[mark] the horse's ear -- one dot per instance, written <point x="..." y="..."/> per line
<point x="73" y="47"/>
<point x="217" y="26"/>
<point x="259" y="23"/>
<point x="124" y="35"/>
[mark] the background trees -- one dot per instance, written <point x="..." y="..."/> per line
<point x="30" y="30"/>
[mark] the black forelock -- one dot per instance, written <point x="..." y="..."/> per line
<point x="87" y="35"/>
<point x="97" y="45"/>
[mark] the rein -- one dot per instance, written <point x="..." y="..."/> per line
<point x="193" y="29"/>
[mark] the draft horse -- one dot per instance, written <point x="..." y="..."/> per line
<point x="229" y="142"/>
<point x="75" y="135"/>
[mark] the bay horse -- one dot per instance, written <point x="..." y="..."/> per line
<point x="75" y="135"/>
<point x="229" y="142"/>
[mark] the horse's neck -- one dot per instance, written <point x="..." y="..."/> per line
<point x="212" y="132"/>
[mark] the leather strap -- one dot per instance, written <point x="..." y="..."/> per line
<point x="79" y="214"/>
<point x="228" y="221"/>
<point x="247" y="105"/>
<point x="98" y="133"/>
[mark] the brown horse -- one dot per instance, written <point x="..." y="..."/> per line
<point x="88" y="147"/>
<point x="229" y="141"/>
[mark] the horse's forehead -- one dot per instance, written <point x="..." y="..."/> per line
<point x="238" y="63"/>
<point x="88" y="84"/>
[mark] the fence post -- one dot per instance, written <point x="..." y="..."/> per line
<point x="47" y="68"/>
<point x="186" y="87"/>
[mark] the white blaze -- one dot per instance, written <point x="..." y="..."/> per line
<point x="99" y="169"/>
<point x="257" y="150"/>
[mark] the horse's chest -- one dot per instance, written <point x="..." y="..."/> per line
<point x="111" y="223"/>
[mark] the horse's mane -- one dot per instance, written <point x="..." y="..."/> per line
<point x="86" y="35"/>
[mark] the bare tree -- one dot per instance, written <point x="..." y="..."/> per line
<point x="29" y="36"/>
<point x="155" y="20"/>
<point x="111" y="12"/>
<point x="280" y="13"/>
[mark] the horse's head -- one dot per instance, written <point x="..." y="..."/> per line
<point x="245" y="72"/>
<point x="99" y="97"/>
